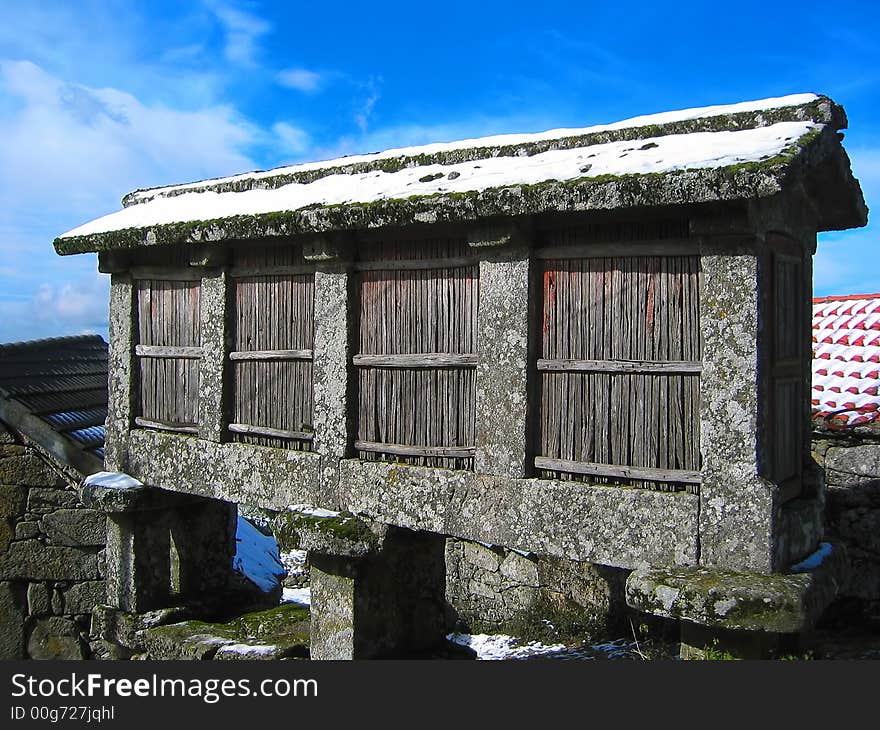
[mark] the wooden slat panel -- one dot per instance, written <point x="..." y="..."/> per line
<point x="249" y="430"/>
<point x="271" y="355"/>
<point x="416" y="264"/>
<point x="457" y="452"/>
<point x="157" y="273"/>
<point x="416" y="360"/>
<point x="618" y="366"/>
<point x="272" y="352"/>
<point x="168" y="351"/>
<point x="614" y="470"/>
<point x="417" y="345"/>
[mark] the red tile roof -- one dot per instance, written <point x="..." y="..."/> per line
<point x="846" y="361"/>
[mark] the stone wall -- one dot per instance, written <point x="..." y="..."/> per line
<point x="491" y="588"/>
<point x="51" y="557"/>
<point x="852" y="512"/>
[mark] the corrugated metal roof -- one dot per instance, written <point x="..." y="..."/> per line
<point x="846" y="361"/>
<point x="63" y="381"/>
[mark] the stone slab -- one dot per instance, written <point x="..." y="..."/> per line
<point x="32" y="560"/>
<point x="56" y="638"/>
<point x="12" y="616"/>
<point x="776" y="603"/>
<point x="74" y="527"/>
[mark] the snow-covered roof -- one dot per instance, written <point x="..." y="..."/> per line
<point x="695" y="155"/>
<point x="846" y="361"/>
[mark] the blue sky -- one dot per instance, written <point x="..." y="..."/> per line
<point x="100" y="97"/>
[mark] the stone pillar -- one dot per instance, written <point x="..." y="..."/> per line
<point x="121" y="385"/>
<point x="332" y="316"/>
<point x="164" y="548"/>
<point x="502" y="373"/>
<point x="736" y="504"/>
<point x="375" y="593"/>
<point x="215" y="349"/>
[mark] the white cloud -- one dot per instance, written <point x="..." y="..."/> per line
<point x="243" y="30"/>
<point x="291" y="140"/>
<point x="300" y="79"/>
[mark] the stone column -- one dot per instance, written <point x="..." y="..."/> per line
<point x="215" y="349"/>
<point x="502" y="373"/>
<point x="736" y="504"/>
<point x="332" y="316"/>
<point x="121" y="384"/>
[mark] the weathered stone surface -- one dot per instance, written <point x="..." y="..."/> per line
<point x="272" y="478"/>
<point x="31" y="560"/>
<point x="520" y="569"/>
<point x="27" y="530"/>
<point x="332" y="317"/>
<point x="332" y="615"/>
<point x="6" y="436"/>
<point x="42" y="500"/>
<point x="121" y="372"/>
<point x="74" y="527"/>
<point x="58" y="607"/>
<point x="13" y="500"/>
<point x="777" y="603"/>
<point x="212" y="413"/>
<point x="128" y="499"/>
<point x="853" y="466"/>
<point x="736" y="505"/>
<point x="28" y="470"/>
<point x="39" y="599"/>
<point x="345" y="535"/>
<point x="612" y="526"/>
<point x="56" y="638"/>
<point x="83" y="597"/>
<point x="12" y="616"/>
<point x="7" y="533"/>
<point x="502" y="372"/>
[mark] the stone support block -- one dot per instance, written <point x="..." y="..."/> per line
<point x="12" y="617"/>
<point x="386" y="603"/>
<point x="74" y="527"/>
<point x="213" y="409"/>
<point x="121" y="385"/>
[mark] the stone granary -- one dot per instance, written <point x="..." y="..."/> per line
<point x="592" y="344"/>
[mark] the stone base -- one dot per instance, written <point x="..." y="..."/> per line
<point x="740" y="614"/>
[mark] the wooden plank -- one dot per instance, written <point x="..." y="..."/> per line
<point x="166" y="426"/>
<point x="456" y="262"/>
<point x="280" y="433"/>
<point x="417" y="360"/>
<point x="662" y="247"/>
<point x="241" y="272"/>
<point x="169" y="351"/>
<point x="456" y="452"/>
<point x="614" y="470"/>
<point x="271" y="355"/>
<point x="619" y="366"/>
<point x="158" y="273"/>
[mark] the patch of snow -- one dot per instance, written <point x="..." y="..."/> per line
<point x="500" y="140"/>
<point x="813" y="561"/>
<point x="301" y="596"/>
<point x="312" y="511"/>
<point x="500" y="646"/>
<point x="294" y="561"/>
<point x="257" y="557"/>
<point x="112" y="480"/>
<point x="248" y="649"/>
<point x="695" y="151"/>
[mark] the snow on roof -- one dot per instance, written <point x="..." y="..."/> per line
<point x="477" y="178"/>
<point x="846" y="361"/>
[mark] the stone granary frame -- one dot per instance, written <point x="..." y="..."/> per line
<point x="592" y="344"/>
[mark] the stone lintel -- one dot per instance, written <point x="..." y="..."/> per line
<point x="344" y="536"/>
<point x="613" y="526"/>
<point x="115" y="500"/>
<point x="215" y="321"/>
<point x="500" y="234"/>
<point x="121" y="384"/>
<point x="780" y="603"/>
<point x="502" y="372"/>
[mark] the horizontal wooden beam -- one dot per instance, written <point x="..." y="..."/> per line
<point x="621" y="366"/>
<point x="239" y="272"/>
<point x="158" y="273"/>
<point x="271" y="355"/>
<point x="614" y="470"/>
<point x="167" y="425"/>
<point x="452" y="452"/>
<point x="416" y="360"/>
<point x="278" y="433"/>
<point x="672" y="247"/>
<point x="169" y="351"/>
<point x="416" y="264"/>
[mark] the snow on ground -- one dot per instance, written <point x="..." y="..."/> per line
<point x="294" y="562"/>
<point x="502" y="647"/>
<point x="248" y="650"/>
<point x="699" y="150"/>
<point x="256" y="556"/>
<point x="500" y="140"/>
<point x="312" y="511"/>
<point x="302" y="596"/>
